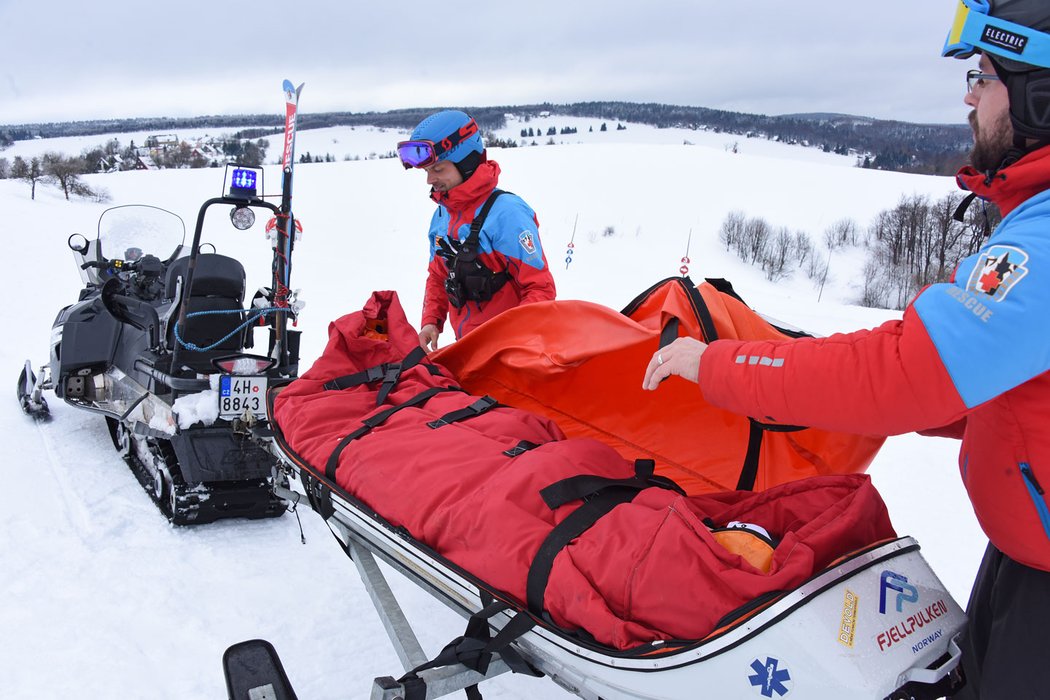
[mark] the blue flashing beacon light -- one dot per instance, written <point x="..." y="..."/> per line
<point x="243" y="182"/>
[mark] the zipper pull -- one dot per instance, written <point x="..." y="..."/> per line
<point x="1027" y="471"/>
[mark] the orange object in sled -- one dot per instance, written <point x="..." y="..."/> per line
<point x="581" y="364"/>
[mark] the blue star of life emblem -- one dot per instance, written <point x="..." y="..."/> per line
<point x="769" y="678"/>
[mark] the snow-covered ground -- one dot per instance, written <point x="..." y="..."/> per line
<point x="100" y="597"/>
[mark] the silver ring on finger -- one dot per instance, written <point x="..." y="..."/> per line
<point x="659" y="359"/>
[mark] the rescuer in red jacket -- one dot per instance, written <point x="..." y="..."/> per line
<point x="969" y="359"/>
<point x="473" y="275"/>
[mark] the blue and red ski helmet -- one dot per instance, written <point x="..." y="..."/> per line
<point x="468" y="154"/>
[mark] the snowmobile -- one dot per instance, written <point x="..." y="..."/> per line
<point x="157" y="344"/>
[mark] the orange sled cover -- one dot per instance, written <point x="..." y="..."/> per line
<point x="500" y="492"/>
<point x="581" y="365"/>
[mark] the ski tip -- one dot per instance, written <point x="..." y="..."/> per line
<point x="290" y="89"/>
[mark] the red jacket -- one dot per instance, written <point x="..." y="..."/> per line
<point x="509" y="241"/>
<point x="972" y="355"/>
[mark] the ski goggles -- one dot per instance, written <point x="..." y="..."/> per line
<point x="974" y="31"/>
<point x="419" y="153"/>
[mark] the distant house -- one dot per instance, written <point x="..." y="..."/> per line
<point x="209" y="153"/>
<point x="145" y="162"/>
<point x="161" y="141"/>
<point x="109" y="164"/>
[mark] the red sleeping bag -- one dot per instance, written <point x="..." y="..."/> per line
<point x="645" y="566"/>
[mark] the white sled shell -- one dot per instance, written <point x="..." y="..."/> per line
<point x="860" y="629"/>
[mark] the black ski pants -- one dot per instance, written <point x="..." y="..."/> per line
<point x="1006" y="650"/>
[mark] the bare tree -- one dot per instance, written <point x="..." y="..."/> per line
<point x="30" y="171"/>
<point x="5" y="168"/>
<point x="873" y="293"/>
<point x="64" y="171"/>
<point x="842" y="232"/>
<point x="755" y="239"/>
<point x="817" y="267"/>
<point x="802" y="247"/>
<point x="949" y="237"/>
<point x="776" y="255"/>
<point x="732" y="231"/>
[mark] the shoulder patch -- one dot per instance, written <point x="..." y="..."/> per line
<point x="997" y="271"/>
<point x="528" y="242"/>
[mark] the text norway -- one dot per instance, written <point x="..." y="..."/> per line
<point x="905" y="628"/>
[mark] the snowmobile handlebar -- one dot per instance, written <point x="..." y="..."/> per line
<point x="147" y="264"/>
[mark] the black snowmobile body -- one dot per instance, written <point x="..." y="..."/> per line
<point x="157" y="345"/>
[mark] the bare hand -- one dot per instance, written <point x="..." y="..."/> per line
<point x="681" y="358"/>
<point x="428" y="335"/>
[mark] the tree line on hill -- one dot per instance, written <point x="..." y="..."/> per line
<point x="916" y="243"/>
<point x="65" y="171"/>
<point x="883" y="144"/>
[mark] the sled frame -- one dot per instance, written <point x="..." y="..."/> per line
<point x="440" y="682"/>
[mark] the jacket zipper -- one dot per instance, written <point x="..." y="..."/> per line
<point x="1037" y="494"/>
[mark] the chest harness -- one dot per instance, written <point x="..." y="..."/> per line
<point x="468" y="278"/>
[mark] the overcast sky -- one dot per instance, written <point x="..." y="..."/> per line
<point x="70" y="60"/>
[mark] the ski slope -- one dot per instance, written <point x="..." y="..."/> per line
<point x="102" y="598"/>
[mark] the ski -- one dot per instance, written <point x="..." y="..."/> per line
<point x="285" y="229"/>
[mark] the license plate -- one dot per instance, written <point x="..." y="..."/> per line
<point x="240" y="394"/>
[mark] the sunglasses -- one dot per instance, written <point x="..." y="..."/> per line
<point x="976" y="79"/>
<point x="974" y="31"/>
<point x="419" y="153"/>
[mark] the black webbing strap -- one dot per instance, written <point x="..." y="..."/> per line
<point x="724" y="286"/>
<point x="388" y="372"/>
<point x="521" y="448"/>
<point x="578" y="522"/>
<point x="749" y="472"/>
<point x="669" y="333"/>
<point x="600" y="495"/>
<point x="474" y="650"/>
<point x="479" y="220"/>
<point x="703" y="314"/>
<point x="469" y="279"/>
<point x="378" y="419"/>
<point x="960" y="211"/>
<point x="485" y="403"/>
<point x="318" y="496"/>
<point x="582" y="486"/>
<point x="450" y="249"/>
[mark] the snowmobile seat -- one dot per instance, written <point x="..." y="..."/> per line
<point x="218" y="287"/>
<point x="215" y="275"/>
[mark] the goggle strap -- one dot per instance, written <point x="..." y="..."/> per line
<point x="974" y="30"/>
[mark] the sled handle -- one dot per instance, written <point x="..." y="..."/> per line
<point x="930" y="676"/>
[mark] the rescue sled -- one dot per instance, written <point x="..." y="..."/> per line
<point x="839" y="607"/>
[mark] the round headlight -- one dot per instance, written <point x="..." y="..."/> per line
<point x="242" y="218"/>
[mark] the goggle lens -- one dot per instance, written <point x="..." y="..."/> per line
<point x="416" y="154"/>
<point x="954" y="45"/>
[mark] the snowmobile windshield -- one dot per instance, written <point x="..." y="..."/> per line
<point x="132" y="231"/>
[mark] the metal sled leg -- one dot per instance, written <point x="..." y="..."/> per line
<point x="439" y="682"/>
